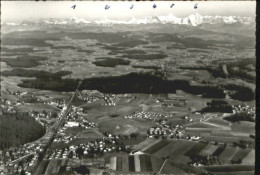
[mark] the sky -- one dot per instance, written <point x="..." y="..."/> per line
<point x="14" y="11"/>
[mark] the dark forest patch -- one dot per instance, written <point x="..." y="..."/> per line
<point x="129" y="83"/>
<point x="131" y="43"/>
<point x="145" y="56"/>
<point x="110" y="62"/>
<point x="63" y="47"/>
<point x="39" y="42"/>
<point x="34" y="73"/>
<point x="18" y="129"/>
<point x="24" y="61"/>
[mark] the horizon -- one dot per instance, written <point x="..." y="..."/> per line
<point x="74" y="17"/>
<point x="36" y="10"/>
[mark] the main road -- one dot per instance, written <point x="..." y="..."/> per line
<point x="62" y="118"/>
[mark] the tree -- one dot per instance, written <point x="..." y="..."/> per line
<point x="80" y="152"/>
<point x="82" y="169"/>
<point x="22" y="172"/>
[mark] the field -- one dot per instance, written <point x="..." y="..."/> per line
<point x="153" y="144"/>
<point x="219" y="121"/>
<point x="221" y="139"/>
<point x="90" y="134"/>
<point x="228" y="153"/>
<point x="143" y="64"/>
<point x="132" y="163"/>
<point x="155" y="147"/>
<point x="236" y="173"/>
<point x="36" y="107"/>
<point x="51" y="166"/>
<point x="243" y="127"/>
<point x="202" y="125"/>
<point x="73" y="130"/>
<point x="192" y="153"/>
<point x="230" y="168"/>
<point x="250" y="158"/>
<point x="176" y="151"/>
<point x="240" y="155"/>
<point x="126" y="127"/>
<point x="131" y="141"/>
<point x="111" y="118"/>
<point x="208" y="150"/>
<point x="145" y="144"/>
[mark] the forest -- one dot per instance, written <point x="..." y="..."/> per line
<point x="242" y="116"/>
<point x="129" y="83"/>
<point x="18" y="129"/>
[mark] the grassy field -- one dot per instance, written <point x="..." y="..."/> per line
<point x="148" y="145"/>
<point x="119" y="163"/>
<point x="73" y="130"/>
<point x="131" y="141"/>
<point x="156" y="147"/>
<point x="192" y="153"/>
<point x="219" y="121"/>
<point x="236" y="173"/>
<point x="243" y="127"/>
<point x="90" y="134"/>
<point x="125" y="163"/>
<point x="53" y="167"/>
<point x="176" y="150"/>
<point x="144" y="143"/>
<point x="249" y="159"/>
<point x="208" y="150"/>
<point x="240" y="155"/>
<point x="201" y="125"/>
<point x="224" y="139"/>
<point x="228" y="153"/>
<point x="42" y="167"/>
<point x="36" y="107"/>
<point x="122" y="126"/>
<point x="230" y="168"/>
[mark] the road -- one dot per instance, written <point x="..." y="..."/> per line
<point x="63" y="114"/>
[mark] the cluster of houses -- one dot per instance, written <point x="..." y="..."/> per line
<point x="93" y="148"/>
<point x="109" y="99"/>
<point x="17" y="159"/>
<point x="94" y="96"/>
<point x="146" y="115"/>
<point x="43" y="117"/>
<point x="59" y="103"/>
<point x="18" y="93"/>
<point x="157" y="131"/>
<point x="72" y="121"/>
<point x="90" y="97"/>
<point x="75" y="120"/>
<point x="165" y="132"/>
<point x="239" y="108"/>
<point x="6" y="106"/>
<point x="23" y="159"/>
<point x="43" y="114"/>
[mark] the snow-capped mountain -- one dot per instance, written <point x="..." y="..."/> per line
<point x="197" y="19"/>
<point x="193" y="20"/>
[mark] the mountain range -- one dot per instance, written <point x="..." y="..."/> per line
<point x="192" y="20"/>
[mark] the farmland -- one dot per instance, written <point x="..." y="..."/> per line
<point x="148" y="95"/>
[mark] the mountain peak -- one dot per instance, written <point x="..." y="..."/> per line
<point x="193" y="19"/>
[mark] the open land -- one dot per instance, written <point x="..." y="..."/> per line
<point x="128" y="102"/>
